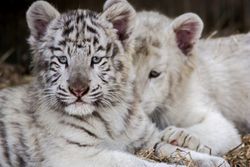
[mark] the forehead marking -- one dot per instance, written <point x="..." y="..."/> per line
<point x="81" y="30"/>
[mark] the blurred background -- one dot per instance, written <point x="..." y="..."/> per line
<point x="224" y="16"/>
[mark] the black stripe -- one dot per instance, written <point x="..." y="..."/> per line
<point x="128" y="117"/>
<point x="184" y="139"/>
<point x="197" y="147"/>
<point x="107" y="69"/>
<point x="102" y="79"/>
<point x="67" y="23"/>
<point x="52" y="69"/>
<point x="91" y="29"/>
<point x="62" y="94"/>
<point x="67" y="31"/>
<point x="68" y="51"/>
<point x="155" y="146"/>
<point x="77" y="36"/>
<point x="55" y="80"/>
<point x="5" y="148"/>
<point x="115" y="51"/>
<point x="100" y="48"/>
<point x="78" y="144"/>
<point x="89" y="51"/>
<point x="23" y="155"/>
<point x="170" y="136"/>
<point x="60" y="88"/>
<point x="80" y="128"/>
<point x="105" y="123"/>
<point x="105" y="62"/>
<point x="95" y="94"/>
<point x="52" y="48"/>
<point x="63" y="43"/>
<point x="80" y="18"/>
<point x="52" y="57"/>
<point x="96" y="40"/>
<point x="54" y="63"/>
<point x="20" y="161"/>
<point x="98" y="86"/>
<point x="51" y="77"/>
<point x="109" y="45"/>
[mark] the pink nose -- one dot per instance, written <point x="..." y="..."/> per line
<point x="79" y="91"/>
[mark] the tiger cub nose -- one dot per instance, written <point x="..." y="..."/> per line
<point x="79" y="90"/>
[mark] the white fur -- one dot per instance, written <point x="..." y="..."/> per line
<point x="196" y="92"/>
<point x="42" y="125"/>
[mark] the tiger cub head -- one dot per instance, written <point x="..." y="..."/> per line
<point x="82" y="58"/>
<point x="164" y="52"/>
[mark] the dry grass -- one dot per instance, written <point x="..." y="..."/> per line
<point x="237" y="157"/>
<point x="176" y="158"/>
<point x="240" y="156"/>
<point x="12" y="75"/>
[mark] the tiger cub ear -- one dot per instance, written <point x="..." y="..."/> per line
<point x="187" y="30"/>
<point x="122" y="15"/>
<point x="38" y="17"/>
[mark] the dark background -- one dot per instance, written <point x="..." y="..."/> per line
<point x="225" y="16"/>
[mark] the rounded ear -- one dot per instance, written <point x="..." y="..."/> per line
<point x="38" y="17"/>
<point x="122" y="15"/>
<point x="187" y="29"/>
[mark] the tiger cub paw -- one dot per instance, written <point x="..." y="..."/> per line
<point x="181" y="137"/>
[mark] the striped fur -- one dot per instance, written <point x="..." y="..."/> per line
<point x="44" y="124"/>
<point x="194" y="87"/>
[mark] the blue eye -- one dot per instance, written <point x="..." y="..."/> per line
<point x="96" y="60"/>
<point x="63" y="59"/>
<point x="154" y="74"/>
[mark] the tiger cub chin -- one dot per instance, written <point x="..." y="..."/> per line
<point x="199" y="87"/>
<point x="81" y="110"/>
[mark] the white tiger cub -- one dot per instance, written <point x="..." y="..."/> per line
<point x="82" y="109"/>
<point x="182" y="86"/>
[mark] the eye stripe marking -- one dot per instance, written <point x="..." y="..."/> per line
<point x="52" y="69"/>
<point x="105" y="62"/>
<point x="52" y="48"/>
<point x="55" y="64"/>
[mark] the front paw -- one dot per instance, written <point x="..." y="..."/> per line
<point x="187" y="157"/>
<point x="180" y="137"/>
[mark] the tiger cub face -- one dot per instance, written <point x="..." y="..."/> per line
<point x="81" y="57"/>
<point x="164" y="52"/>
